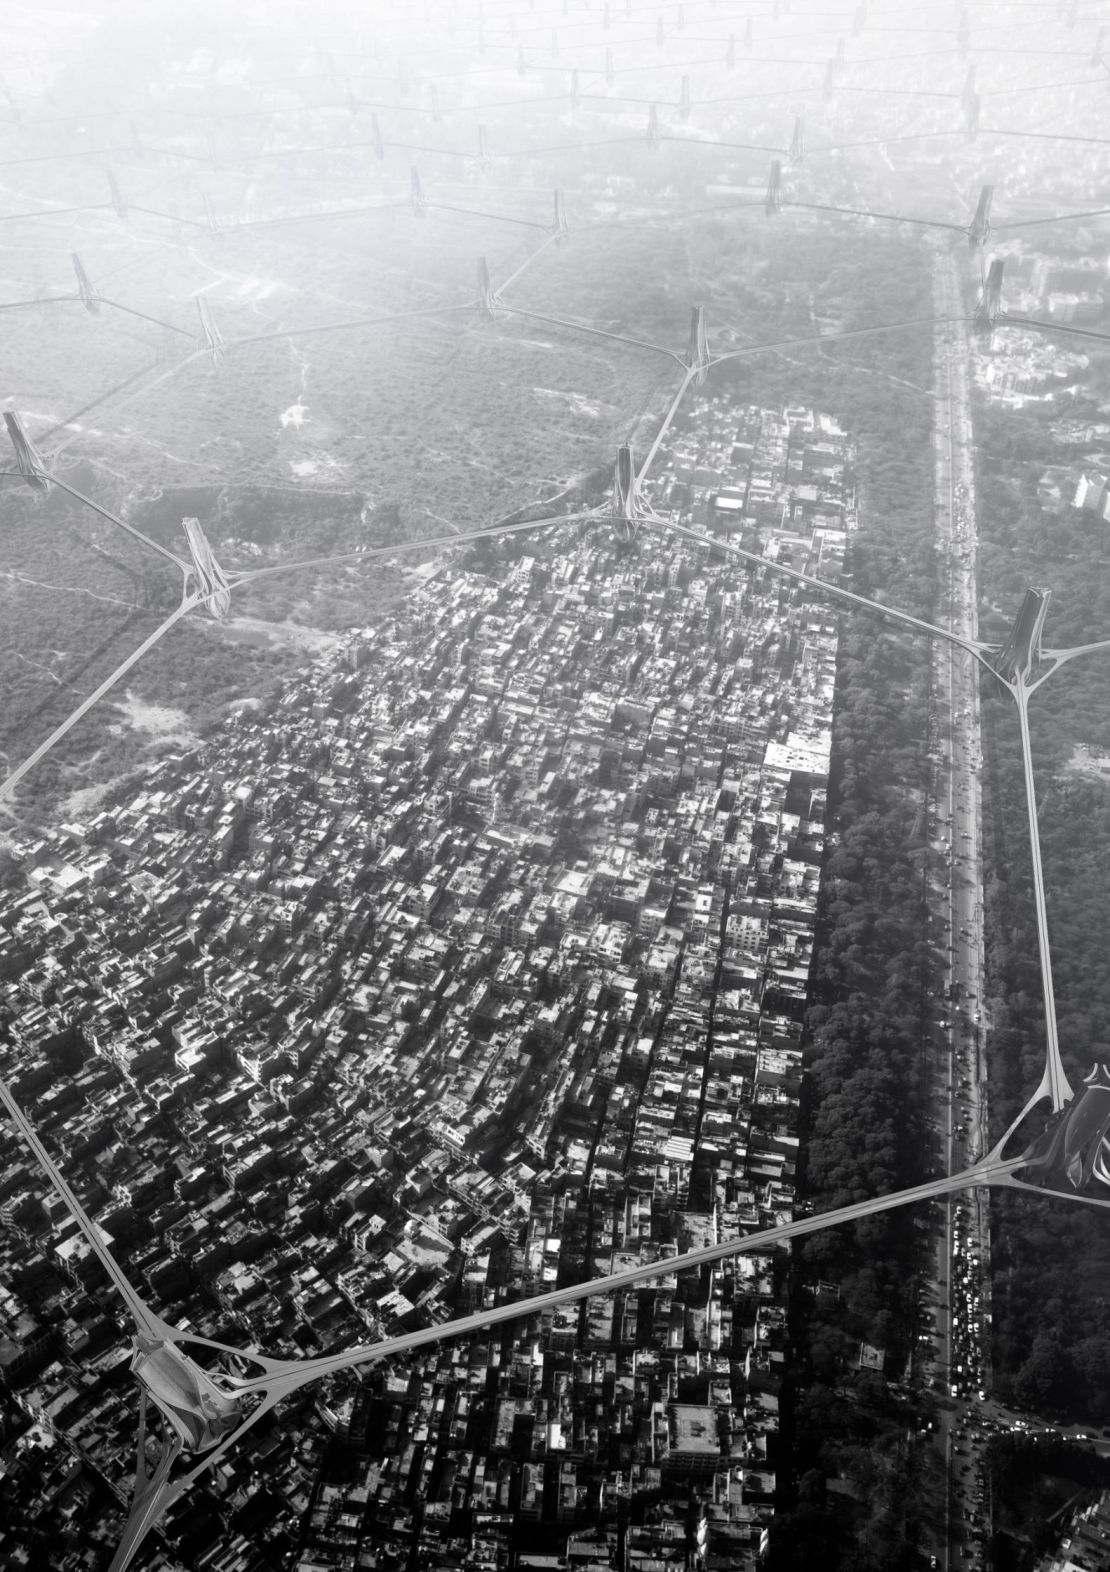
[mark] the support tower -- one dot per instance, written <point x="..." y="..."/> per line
<point x="488" y="298"/>
<point x="697" y="351"/>
<point x="86" y="290"/>
<point x="416" y="194"/>
<point x="209" y="577"/>
<point x="980" y="226"/>
<point x="772" y="202"/>
<point x="988" y="307"/>
<point x="28" y="460"/>
<point x="213" y="338"/>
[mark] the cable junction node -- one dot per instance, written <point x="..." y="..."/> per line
<point x="28" y="460"/>
<point x="116" y="196"/>
<point x="797" y="143"/>
<point x="416" y="194"/>
<point x="698" y="358"/>
<point x="989" y="305"/>
<point x="772" y="202"/>
<point x="980" y="226"/>
<point x="213" y="338"/>
<point x="488" y="298"/>
<point x="86" y="290"/>
<point x="209" y="578"/>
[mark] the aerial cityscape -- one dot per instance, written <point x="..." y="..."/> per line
<point x="556" y="786"/>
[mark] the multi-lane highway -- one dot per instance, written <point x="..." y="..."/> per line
<point x="959" y="1306"/>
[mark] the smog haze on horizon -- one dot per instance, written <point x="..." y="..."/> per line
<point x="552" y="1005"/>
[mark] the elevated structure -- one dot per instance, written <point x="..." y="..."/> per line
<point x="483" y="148"/>
<point x="1074" y="1149"/>
<point x="559" y="226"/>
<point x="575" y="94"/>
<point x="859" y="20"/>
<point x="749" y="33"/>
<point x="698" y="358"/>
<point x="797" y="152"/>
<point x="684" y="99"/>
<point x="209" y="578"/>
<point x="989" y="305"/>
<point x="730" y="51"/>
<point x="28" y="460"/>
<point x="610" y="69"/>
<point x="626" y="490"/>
<point x="1017" y="660"/>
<point x="86" y="291"/>
<point x="963" y="32"/>
<point x="488" y="298"/>
<point x="376" y="137"/>
<point x="204" y="1412"/>
<point x="16" y="112"/>
<point x="971" y="117"/>
<point x="213" y="338"/>
<point x="828" y="86"/>
<point x="969" y="94"/>
<point x="659" y="35"/>
<point x="433" y="103"/>
<point x="980" y="227"/>
<point x="1098" y="55"/>
<point x="212" y="223"/>
<point x="416" y="194"/>
<point x="653" y="126"/>
<point x="772" y="201"/>
<point x="116" y="196"/>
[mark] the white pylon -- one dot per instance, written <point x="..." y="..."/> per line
<point x="213" y="338"/>
<point x="28" y="460"/>
<point x="211" y="581"/>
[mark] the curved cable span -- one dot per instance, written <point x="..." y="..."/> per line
<point x="168" y="1375"/>
<point x="361" y="557"/>
<point x="54" y="212"/>
<point x="135" y="392"/>
<point x="156" y="1491"/>
<point x="1008" y="319"/>
<point x="44" y="300"/>
<point x="118" y="305"/>
<point x="13" y="778"/>
<point x="114" y="518"/>
<point x="863" y="212"/>
<point x="828" y="338"/>
<point x="1043" y="136"/>
<point x="1043" y="87"/>
<point x="1058" y="218"/>
<point x="312" y="218"/>
<point x="336" y="327"/>
<point x="593" y="332"/>
<point x="55" y="158"/>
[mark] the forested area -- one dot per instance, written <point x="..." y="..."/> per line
<point x="875" y="975"/>
<point x="1051" y="1258"/>
<point x="1035" y="1481"/>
